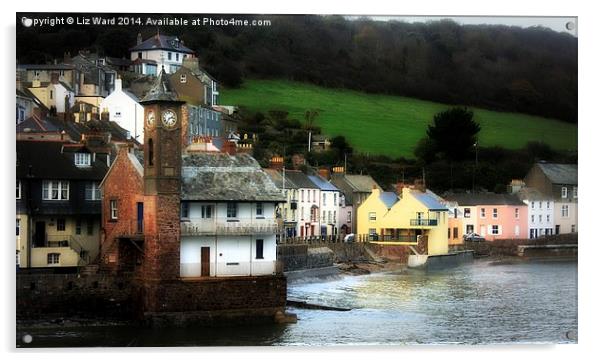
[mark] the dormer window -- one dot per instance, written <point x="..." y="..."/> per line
<point x="82" y="159"/>
<point x="183" y="78"/>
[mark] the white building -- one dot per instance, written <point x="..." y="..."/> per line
<point x="228" y="218"/>
<point x="540" y="218"/>
<point x="308" y="206"/>
<point x="159" y="51"/>
<point x="125" y="110"/>
<point x="329" y="206"/>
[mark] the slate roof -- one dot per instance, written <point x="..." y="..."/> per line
<point x="37" y="124"/>
<point x="322" y="183"/>
<point x="477" y="199"/>
<point x="162" y="42"/>
<point x="560" y="173"/>
<point x="388" y="198"/>
<point x="214" y="176"/>
<point x="361" y="183"/>
<point x="300" y="179"/>
<point x="44" y="160"/>
<point x="45" y="66"/>
<point x="429" y="200"/>
<point x="276" y="176"/>
<point x="529" y="193"/>
<point x="161" y="90"/>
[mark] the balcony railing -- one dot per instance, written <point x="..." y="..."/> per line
<point x="423" y="222"/>
<point x="233" y="228"/>
<point x="129" y="228"/>
<point x="67" y="241"/>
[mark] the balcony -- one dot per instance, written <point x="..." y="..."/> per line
<point x="129" y="229"/>
<point x="423" y="222"/>
<point x="241" y="227"/>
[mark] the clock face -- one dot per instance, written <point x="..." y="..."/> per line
<point x="169" y="118"/>
<point x="150" y="118"/>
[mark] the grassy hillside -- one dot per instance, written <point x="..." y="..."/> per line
<point x="390" y="125"/>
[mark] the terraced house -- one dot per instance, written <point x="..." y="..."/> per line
<point x="58" y="203"/>
<point x="413" y="217"/>
<point x="558" y="182"/>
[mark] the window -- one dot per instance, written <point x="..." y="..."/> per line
<point x="302" y="214"/>
<point x="184" y="210"/>
<point x="113" y="207"/>
<point x="140" y="55"/>
<point x="324" y="198"/>
<point x="455" y="232"/>
<point x="540" y="206"/>
<point x="206" y="211"/>
<point x="90" y="227"/>
<point x="574" y="192"/>
<point x="92" y="191"/>
<point x="516" y="214"/>
<point x="53" y="258"/>
<point x="482" y="212"/>
<point x="547" y="218"/>
<point x="51" y="94"/>
<point x="18" y="189"/>
<point x="259" y="249"/>
<point x="372" y="216"/>
<point x="183" y="78"/>
<point x="348" y="216"/>
<point x="495" y="229"/>
<point x="60" y="224"/>
<point x="573" y="228"/>
<point x="78" y="226"/>
<point x="564" y="211"/>
<point x="532" y="205"/>
<point x="169" y="55"/>
<point x="466" y="212"/>
<point x="540" y="218"/>
<point x="532" y="218"/>
<point x="372" y="231"/>
<point x="302" y="195"/>
<point x="259" y="209"/>
<point x="55" y="190"/>
<point x="151" y="152"/>
<point x="548" y="204"/>
<point x="495" y="213"/>
<point x="82" y="159"/>
<point x="564" y="192"/>
<point x="323" y="216"/>
<point x="177" y="56"/>
<point x="334" y="216"/>
<point x="18" y="226"/>
<point x="334" y="197"/>
<point x="469" y="228"/>
<point x="231" y="210"/>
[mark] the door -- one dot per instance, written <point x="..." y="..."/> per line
<point x="140" y="217"/>
<point x="205" y="261"/>
<point x="40" y="235"/>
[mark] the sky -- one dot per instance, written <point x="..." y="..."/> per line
<point x="555" y="23"/>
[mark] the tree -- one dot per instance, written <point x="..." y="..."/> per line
<point x="341" y="147"/>
<point x="454" y="133"/>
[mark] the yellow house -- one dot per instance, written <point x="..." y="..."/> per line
<point x="388" y="219"/>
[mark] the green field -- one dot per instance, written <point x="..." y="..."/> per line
<point x="391" y="125"/>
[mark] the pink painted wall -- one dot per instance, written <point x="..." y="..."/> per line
<point x="506" y="219"/>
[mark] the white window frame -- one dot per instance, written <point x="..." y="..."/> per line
<point x="94" y="188"/>
<point x="517" y="230"/>
<point x="495" y="230"/>
<point x="372" y="216"/>
<point x="207" y="211"/>
<point x="114" y="209"/>
<point x="348" y="216"/>
<point x="563" y="208"/>
<point x="228" y="210"/>
<point x="48" y="187"/>
<point x="259" y="209"/>
<point x="18" y="227"/>
<point x="467" y="213"/>
<point x="185" y="210"/>
<point x="18" y="190"/>
<point x="575" y="192"/>
<point x="183" y="78"/>
<point x="83" y="159"/>
<point x="564" y="192"/>
<point x="53" y="258"/>
<point x="516" y="213"/>
<point x="483" y="213"/>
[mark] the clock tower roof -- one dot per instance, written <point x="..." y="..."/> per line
<point x="161" y="91"/>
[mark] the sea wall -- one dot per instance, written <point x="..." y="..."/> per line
<point x="509" y="247"/>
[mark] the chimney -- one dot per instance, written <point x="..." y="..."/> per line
<point x="118" y="83"/>
<point x="229" y="147"/>
<point x="54" y="78"/>
<point x="324" y="173"/>
<point x="277" y="162"/>
<point x="139" y="39"/>
<point x="35" y="83"/>
<point x="104" y="115"/>
<point x="67" y="57"/>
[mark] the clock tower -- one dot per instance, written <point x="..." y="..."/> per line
<point x="162" y="167"/>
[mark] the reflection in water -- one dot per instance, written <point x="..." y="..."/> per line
<point x="476" y="303"/>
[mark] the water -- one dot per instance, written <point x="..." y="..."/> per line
<point x="479" y="303"/>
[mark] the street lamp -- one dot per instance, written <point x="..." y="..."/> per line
<point x="476" y="163"/>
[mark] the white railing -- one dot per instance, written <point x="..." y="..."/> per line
<point x="223" y="227"/>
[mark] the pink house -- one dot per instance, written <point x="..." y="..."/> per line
<point x="490" y="215"/>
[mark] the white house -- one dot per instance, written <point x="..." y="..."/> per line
<point x="308" y="206"/>
<point x="329" y="206"/>
<point x="228" y="220"/>
<point x="540" y="217"/>
<point x="125" y="110"/>
<point x="159" y="51"/>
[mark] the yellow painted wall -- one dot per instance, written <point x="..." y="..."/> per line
<point x="88" y="242"/>
<point x="67" y="258"/>
<point x="399" y="216"/>
<point x="22" y="239"/>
